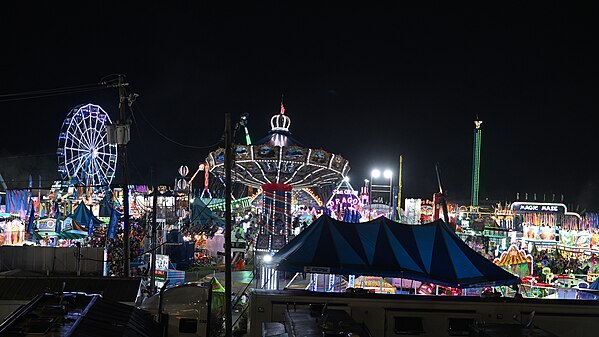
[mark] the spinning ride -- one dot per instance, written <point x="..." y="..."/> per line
<point x="278" y="164"/>
<point x="84" y="155"/>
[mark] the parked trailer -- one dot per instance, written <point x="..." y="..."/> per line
<point x="435" y="316"/>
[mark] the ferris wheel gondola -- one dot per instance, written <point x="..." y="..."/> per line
<point x="84" y="155"/>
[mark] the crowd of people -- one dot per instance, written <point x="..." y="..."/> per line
<point x="115" y="247"/>
<point x="564" y="265"/>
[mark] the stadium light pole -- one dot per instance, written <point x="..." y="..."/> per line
<point x="375" y="173"/>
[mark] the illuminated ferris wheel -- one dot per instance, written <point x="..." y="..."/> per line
<point x="84" y="155"/>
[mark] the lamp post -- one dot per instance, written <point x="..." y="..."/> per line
<point x="388" y="174"/>
<point x="366" y="186"/>
<point x="375" y="174"/>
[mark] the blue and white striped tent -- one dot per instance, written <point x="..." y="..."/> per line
<point x="430" y="253"/>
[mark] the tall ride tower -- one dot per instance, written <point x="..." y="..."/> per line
<point x="476" y="161"/>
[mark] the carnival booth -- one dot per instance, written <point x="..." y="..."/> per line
<point x="542" y="237"/>
<point x="575" y="241"/>
<point x="540" y="222"/>
<point x="374" y="284"/>
<point x="516" y="261"/>
<point x="12" y="229"/>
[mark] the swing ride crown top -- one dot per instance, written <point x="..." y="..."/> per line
<point x="280" y="161"/>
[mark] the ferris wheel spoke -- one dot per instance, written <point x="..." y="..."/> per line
<point x="104" y="145"/>
<point x="91" y="131"/>
<point x="93" y="169"/>
<point x="98" y="131"/>
<point x="102" y="176"/>
<point x="74" y="138"/>
<point x="105" y="153"/>
<point x="101" y="173"/>
<point x="104" y="162"/>
<point x="94" y="134"/>
<point x="81" y="162"/>
<point x="82" y="139"/>
<point x="88" y="132"/>
<point x="75" y="149"/>
<point x="74" y="159"/>
<point x="78" y="122"/>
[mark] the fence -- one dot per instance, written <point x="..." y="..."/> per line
<point x="51" y="260"/>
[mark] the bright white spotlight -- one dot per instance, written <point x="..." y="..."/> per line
<point x="375" y="173"/>
<point x="192" y="200"/>
<point x="387" y="174"/>
<point x="267" y="258"/>
<point x="346" y="179"/>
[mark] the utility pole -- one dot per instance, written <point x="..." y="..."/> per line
<point x="123" y="145"/>
<point x="228" y="283"/>
<point x="154" y="246"/>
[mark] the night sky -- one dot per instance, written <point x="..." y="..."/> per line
<point x="367" y="87"/>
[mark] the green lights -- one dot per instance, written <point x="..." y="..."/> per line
<point x="476" y="162"/>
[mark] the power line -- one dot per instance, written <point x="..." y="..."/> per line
<point x="48" y="93"/>
<point x="172" y="140"/>
<point x="29" y="155"/>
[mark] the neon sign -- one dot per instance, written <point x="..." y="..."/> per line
<point x="344" y="199"/>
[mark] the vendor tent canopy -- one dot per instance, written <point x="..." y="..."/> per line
<point x="82" y="216"/>
<point x="202" y="215"/>
<point x="105" y="206"/>
<point x="430" y="253"/>
<point x="72" y="234"/>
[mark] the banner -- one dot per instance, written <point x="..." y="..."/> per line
<point x="17" y="200"/>
<point x="31" y="220"/>
<point x="112" y="225"/>
<point x="574" y="238"/>
<point x="544" y="233"/>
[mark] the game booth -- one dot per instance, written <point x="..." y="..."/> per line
<point x="516" y="261"/>
<point x="12" y="230"/>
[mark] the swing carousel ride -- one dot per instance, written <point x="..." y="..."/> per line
<point x="278" y="165"/>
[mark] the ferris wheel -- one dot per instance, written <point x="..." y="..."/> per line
<point x="84" y="155"/>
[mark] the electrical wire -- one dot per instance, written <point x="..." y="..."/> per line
<point x="29" y="155"/>
<point x="143" y="143"/>
<point x="63" y="89"/>
<point x="20" y="96"/>
<point x="172" y="140"/>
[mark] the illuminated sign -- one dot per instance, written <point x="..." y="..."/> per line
<point x="162" y="262"/>
<point x="344" y="199"/>
<point x="319" y="270"/>
<point x="46" y="224"/>
<point x="539" y="207"/>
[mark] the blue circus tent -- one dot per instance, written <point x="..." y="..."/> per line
<point x="430" y="253"/>
<point x="83" y="216"/>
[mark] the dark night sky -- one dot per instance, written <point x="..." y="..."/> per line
<point x="367" y="87"/>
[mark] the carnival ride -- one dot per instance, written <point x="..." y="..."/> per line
<point x="278" y="164"/>
<point x="84" y="155"/>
